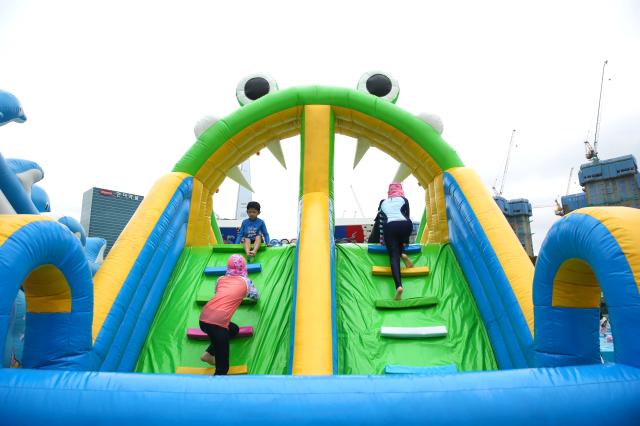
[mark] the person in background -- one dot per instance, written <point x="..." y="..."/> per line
<point x="252" y="231"/>
<point x="395" y="228"/>
<point x="215" y="319"/>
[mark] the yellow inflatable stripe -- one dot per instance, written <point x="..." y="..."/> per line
<point x="437" y="230"/>
<point x="233" y="370"/>
<point x="441" y="234"/>
<point x="316" y="149"/>
<point x="125" y="251"/>
<point x="251" y="139"/>
<point x="356" y="124"/>
<point x="428" y="205"/>
<point x="46" y="290"/>
<point x="575" y="286"/>
<point x="404" y="272"/>
<point x="313" y="327"/>
<point x="286" y="123"/>
<point x="199" y="226"/>
<point x="211" y="237"/>
<point x="193" y="225"/>
<point x="513" y="259"/>
<point x="618" y="220"/>
<point x="10" y="223"/>
<point x="312" y="340"/>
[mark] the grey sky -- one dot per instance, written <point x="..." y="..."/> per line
<point x="113" y="89"/>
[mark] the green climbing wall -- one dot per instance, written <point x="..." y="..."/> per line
<point x="267" y="352"/>
<point x="361" y="349"/>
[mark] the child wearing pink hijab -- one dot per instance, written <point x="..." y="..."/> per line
<point x="215" y="319"/>
<point x="395" y="229"/>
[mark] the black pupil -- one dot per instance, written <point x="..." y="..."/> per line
<point x="379" y="85"/>
<point x="256" y="87"/>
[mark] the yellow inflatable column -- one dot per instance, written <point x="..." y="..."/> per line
<point x="199" y="232"/>
<point x="436" y="229"/>
<point x="312" y="346"/>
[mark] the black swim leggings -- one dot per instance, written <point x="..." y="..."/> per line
<point x="395" y="235"/>
<point x="219" y="346"/>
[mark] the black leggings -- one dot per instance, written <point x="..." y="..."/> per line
<point x="219" y="346"/>
<point x="396" y="234"/>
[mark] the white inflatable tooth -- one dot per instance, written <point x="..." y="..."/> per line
<point x="276" y="149"/>
<point x="236" y="175"/>
<point x="361" y="148"/>
<point x="402" y="173"/>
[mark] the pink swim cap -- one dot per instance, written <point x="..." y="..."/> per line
<point x="395" y="190"/>
<point x="236" y="266"/>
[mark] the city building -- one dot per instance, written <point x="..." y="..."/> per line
<point x="612" y="182"/>
<point x="518" y="213"/>
<point x="106" y="212"/>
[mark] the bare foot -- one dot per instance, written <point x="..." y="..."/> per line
<point x="407" y="262"/>
<point x="398" y="293"/>
<point x="208" y="358"/>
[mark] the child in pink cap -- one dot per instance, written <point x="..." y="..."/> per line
<point x="215" y="319"/>
<point x="395" y="229"/>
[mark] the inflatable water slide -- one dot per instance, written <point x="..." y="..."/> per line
<point x="480" y="336"/>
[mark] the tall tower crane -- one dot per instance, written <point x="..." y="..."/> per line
<point x="592" y="151"/>
<point x="559" y="210"/>
<point x="569" y="182"/>
<point x="506" y="166"/>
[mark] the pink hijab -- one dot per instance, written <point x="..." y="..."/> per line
<point x="236" y="266"/>
<point x="395" y="190"/>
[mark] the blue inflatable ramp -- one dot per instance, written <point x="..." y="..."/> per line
<point x="379" y="248"/>
<point x="221" y="270"/>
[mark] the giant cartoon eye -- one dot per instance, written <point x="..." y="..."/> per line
<point x="255" y="86"/>
<point x="380" y="84"/>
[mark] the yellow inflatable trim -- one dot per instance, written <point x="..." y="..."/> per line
<point x="10" y="223"/>
<point x="514" y="260"/>
<point x="619" y="220"/>
<point x="46" y="290"/>
<point x="575" y="286"/>
<point x="312" y="354"/>
<point x="127" y="248"/>
<point x="405" y="272"/>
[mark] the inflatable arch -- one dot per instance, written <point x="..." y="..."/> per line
<point x="44" y="258"/>
<point x="462" y="224"/>
<point x="590" y="249"/>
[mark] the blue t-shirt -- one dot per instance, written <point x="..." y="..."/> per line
<point x="252" y="228"/>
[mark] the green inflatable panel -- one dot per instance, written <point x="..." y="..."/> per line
<point x="267" y="352"/>
<point x="361" y="349"/>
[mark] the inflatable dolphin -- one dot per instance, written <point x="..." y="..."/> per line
<point x="27" y="171"/>
<point x="10" y="109"/>
<point x="40" y="199"/>
<point x="13" y="196"/>
<point x="75" y="227"/>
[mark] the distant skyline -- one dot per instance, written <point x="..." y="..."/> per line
<point x="112" y="90"/>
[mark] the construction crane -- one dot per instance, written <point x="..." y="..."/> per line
<point x="591" y="152"/>
<point x="569" y="182"/>
<point x="506" y="167"/>
<point x="559" y="210"/>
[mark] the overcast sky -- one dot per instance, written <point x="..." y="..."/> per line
<point x="112" y="89"/>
